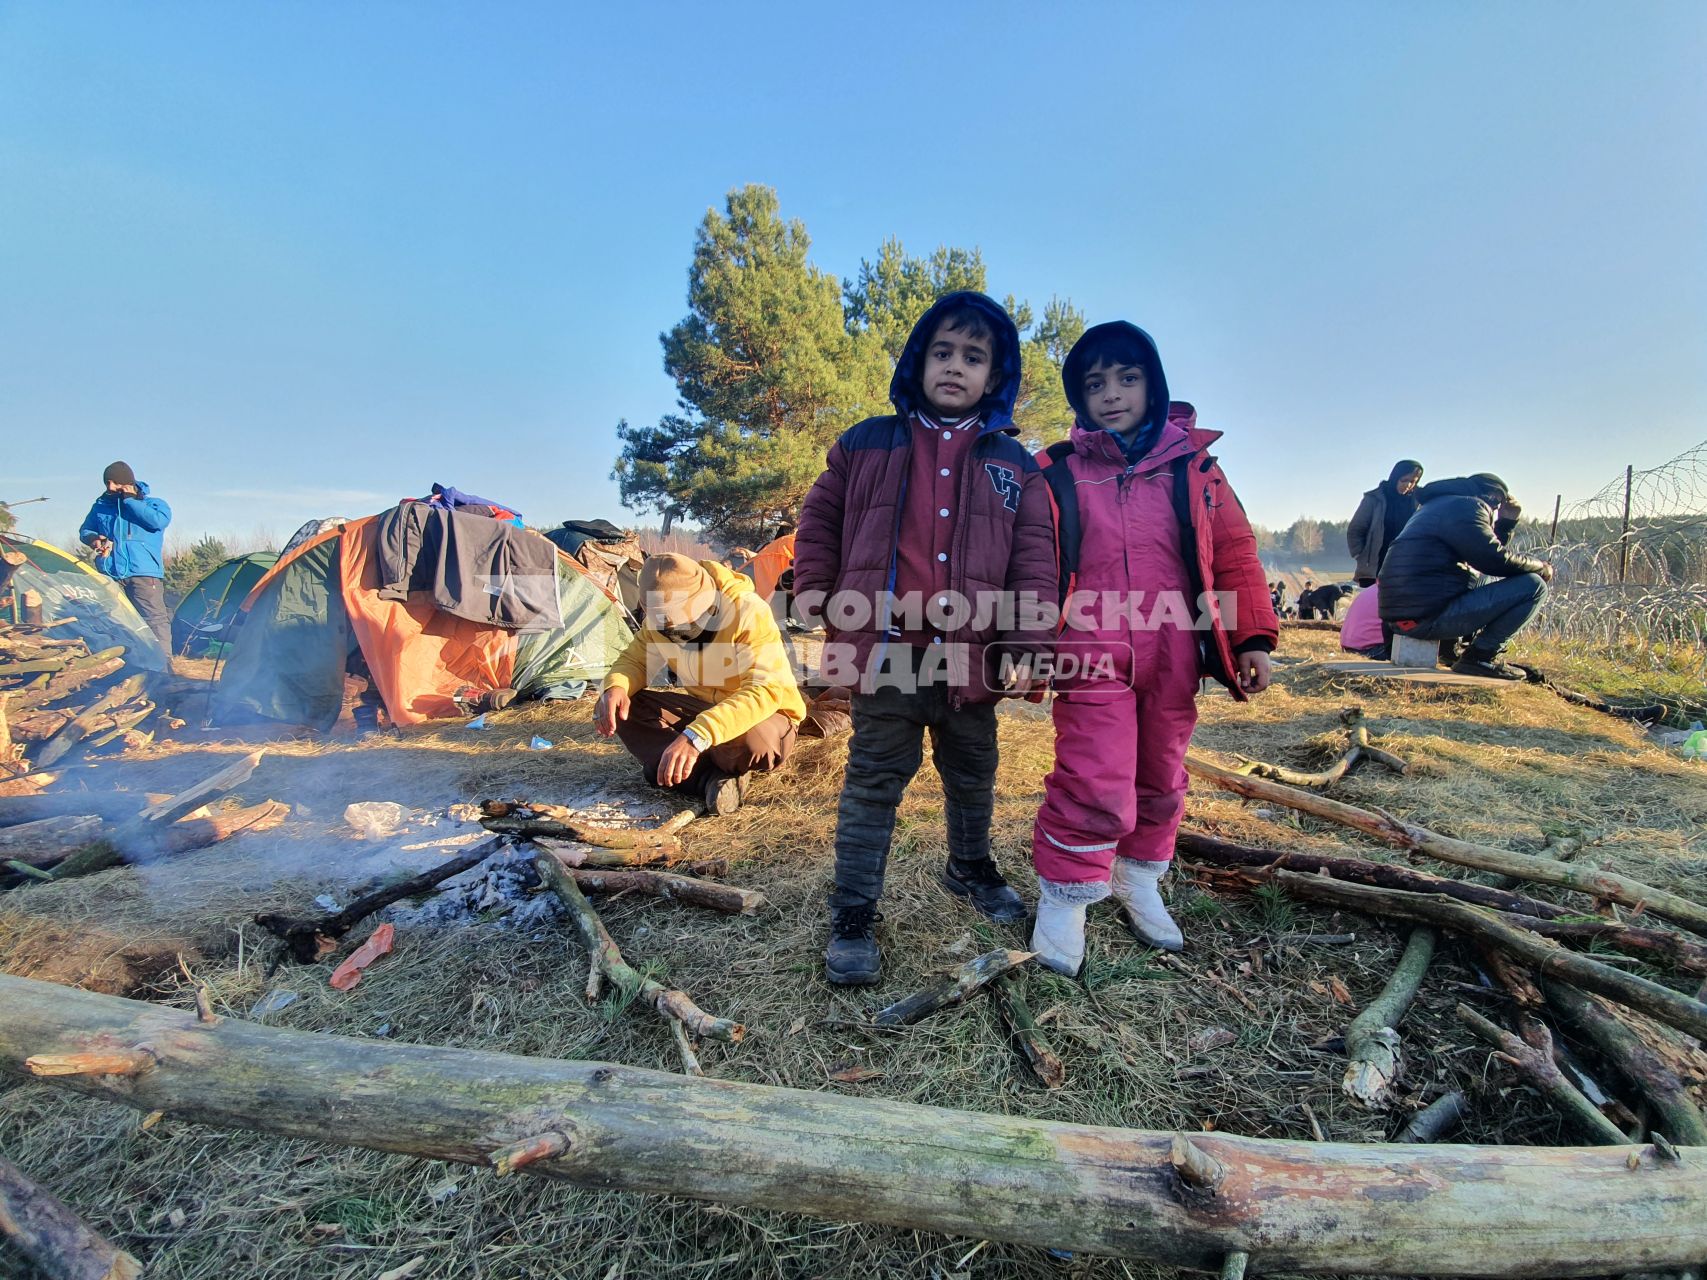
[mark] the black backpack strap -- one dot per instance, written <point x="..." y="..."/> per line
<point x="1069" y="531"/>
<point x="1210" y="654"/>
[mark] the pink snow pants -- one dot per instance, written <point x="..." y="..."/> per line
<point x="1119" y="782"/>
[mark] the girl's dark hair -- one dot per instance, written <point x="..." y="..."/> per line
<point x="968" y="318"/>
<point x="1113" y="346"/>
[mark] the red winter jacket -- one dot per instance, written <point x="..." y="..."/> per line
<point x="1223" y="548"/>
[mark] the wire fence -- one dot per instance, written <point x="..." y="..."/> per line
<point x="1630" y="567"/>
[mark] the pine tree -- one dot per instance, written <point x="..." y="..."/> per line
<point x="775" y="359"/>
<point x="768" y="375"/>
<point x="893" y="292"/>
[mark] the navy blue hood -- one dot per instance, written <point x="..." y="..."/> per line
<point x="997" y="408"/>
<point x="1094" y="344"/>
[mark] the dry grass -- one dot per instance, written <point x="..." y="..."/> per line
<point x="1512" y="767"/>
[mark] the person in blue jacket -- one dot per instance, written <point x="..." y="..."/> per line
<point x="125" y="530"/>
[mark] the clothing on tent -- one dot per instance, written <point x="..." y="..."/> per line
<point x="457" y="500"/>
<point x="317" y="615"/>
<point x="483" y="570"/>
<point x="610" y="556"/>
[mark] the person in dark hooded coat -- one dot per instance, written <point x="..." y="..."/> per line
<point x="916" y="515"/>
<point x="1382" y="513"/>
<point x="1428" y="583"/>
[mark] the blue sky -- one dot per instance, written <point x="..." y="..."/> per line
<point x="299" y="260"/>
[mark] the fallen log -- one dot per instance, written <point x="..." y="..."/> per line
<point x="29" y="784"/>
<point x="188" y="834"/>
<point x="1535" y="1061"/>
<point x="1433" y="1121"/>
<point x="521" y="818"/>
<point x="576" y="854"/>
<point x="47" y="1232"/>
<point x="1605" y="885"/>
<point x="1371" y="1208"/>
<point x="11" y="560"/>
<point x="311" y="938"/>
<point x="39" y="726"/>
<point x="687" y="890"/>
<point x="48" y="838"/>
<point x="1045" y="1063"/>
<point x="1372" y="1039"/>
<point x="604" y="961"/>
<point x="1634" y="1059"/>
<point x="113" y="806"/>
<point x="10" y="761"/>
<point x="1670" y="1007"/>
<point x="209" y="788"/>
<point x="87" y="721"/>
<point x="952" y="989"/>
<point x="75" y="674"/>
<point x="143" y="835"/>
<point x="1659" y="946"/>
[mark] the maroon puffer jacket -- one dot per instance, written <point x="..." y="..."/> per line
<point x="1004" y="546"/>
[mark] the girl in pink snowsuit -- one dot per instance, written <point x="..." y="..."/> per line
<point x="1161" y="585"/>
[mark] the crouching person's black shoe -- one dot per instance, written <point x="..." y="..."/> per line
<point x="981" y="884"/>
<point x="852" y="958"/>
<point x="1489" y="667"/>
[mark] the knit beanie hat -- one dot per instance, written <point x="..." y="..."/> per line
<point x="676" y="590"/>
<point x="1493" y="485"/>
<point x="118" y="473"/>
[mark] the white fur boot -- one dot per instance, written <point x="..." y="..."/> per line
<point x="1058" y="937"/>
<point x="1134" y="885"/>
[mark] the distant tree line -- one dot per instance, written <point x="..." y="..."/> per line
<point x="1303" y="538"/>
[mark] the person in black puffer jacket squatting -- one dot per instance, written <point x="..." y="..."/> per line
<point x="1428" y="581"/>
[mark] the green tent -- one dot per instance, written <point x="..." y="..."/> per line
<point x="204" y="615"/>
<point x="85" y="603"/>
<point x="293" y="641"/>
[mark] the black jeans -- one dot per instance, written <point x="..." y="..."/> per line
<point x="149" y="597"/>
<point x="1487" y="616"/>
<point x="886" y="751"/>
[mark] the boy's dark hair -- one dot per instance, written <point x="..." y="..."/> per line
<point x="1113" y="345"/>
<point x="968" y="318"/>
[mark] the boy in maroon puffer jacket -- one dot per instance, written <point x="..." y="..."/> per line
<point x="928" y="547"/>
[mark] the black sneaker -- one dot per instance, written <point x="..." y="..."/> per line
<point x="981" y="884"/>
<point x="852" y="958"/>
<point x="724" y="793"/>
<point x="1488" y="668"/>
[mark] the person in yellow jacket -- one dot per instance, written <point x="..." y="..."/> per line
<point x="736" y="709"/>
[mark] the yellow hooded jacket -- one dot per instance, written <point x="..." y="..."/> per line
<point x="742" y="671"/>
